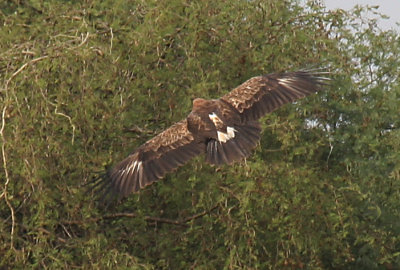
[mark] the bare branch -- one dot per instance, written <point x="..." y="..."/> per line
<point x="21" y="69"/>
<point x="5" y="193"/>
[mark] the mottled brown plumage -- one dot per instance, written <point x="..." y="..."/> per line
<point x="225" y="129"/>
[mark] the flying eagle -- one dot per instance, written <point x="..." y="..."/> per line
<point x="224" y="129"/>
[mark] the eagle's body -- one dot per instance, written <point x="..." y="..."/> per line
<point x="225" y="129"/>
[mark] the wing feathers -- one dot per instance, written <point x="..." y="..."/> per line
<point x="263" y="94"/>
<point x="150" y="162"/>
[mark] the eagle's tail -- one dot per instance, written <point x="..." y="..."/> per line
<point x="234" y="146"/>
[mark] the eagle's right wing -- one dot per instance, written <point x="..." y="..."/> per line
<point x="263" y="94"/>
<point x="150" y="162"/>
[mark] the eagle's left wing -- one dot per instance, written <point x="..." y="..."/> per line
<point x="263" y="94"/>
<point x="151" y="161"/>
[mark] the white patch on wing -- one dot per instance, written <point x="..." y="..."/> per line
<point x="224" y="137"/>
<point x="213" y="117"/>
<point x="285" y="81"/>
<point x="131" y="168"/>
<point x="218" y="123"/>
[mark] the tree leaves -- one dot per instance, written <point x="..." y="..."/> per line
<point x="83" y="84"/>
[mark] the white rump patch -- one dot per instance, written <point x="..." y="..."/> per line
<point x="224" y="137"/>
<point x="132" y="166"/>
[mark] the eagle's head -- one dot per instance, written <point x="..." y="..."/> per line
<point x="201" y="103"/>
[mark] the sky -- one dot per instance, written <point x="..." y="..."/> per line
<point x="387" y="7"/>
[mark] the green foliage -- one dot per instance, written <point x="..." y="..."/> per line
<point x="85" y="82"/>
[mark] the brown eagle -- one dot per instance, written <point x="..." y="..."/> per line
<point x="225" y="129"/>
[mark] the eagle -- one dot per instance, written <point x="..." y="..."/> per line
<point x="225" y="130"/>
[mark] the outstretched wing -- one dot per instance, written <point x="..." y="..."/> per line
<point x="263" y="94"/>
<point x="151" y="161"/>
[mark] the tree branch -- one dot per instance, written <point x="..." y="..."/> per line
<point x="22" y="68"/>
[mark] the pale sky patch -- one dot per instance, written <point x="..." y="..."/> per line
<point x="390" y="8"/>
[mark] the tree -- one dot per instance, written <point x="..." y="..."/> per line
<point x="83" y="84"/>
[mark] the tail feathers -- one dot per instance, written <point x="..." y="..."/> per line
<point x="240" y="146"/>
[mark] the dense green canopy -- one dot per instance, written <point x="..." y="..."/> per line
<point x="82" y="83"/>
